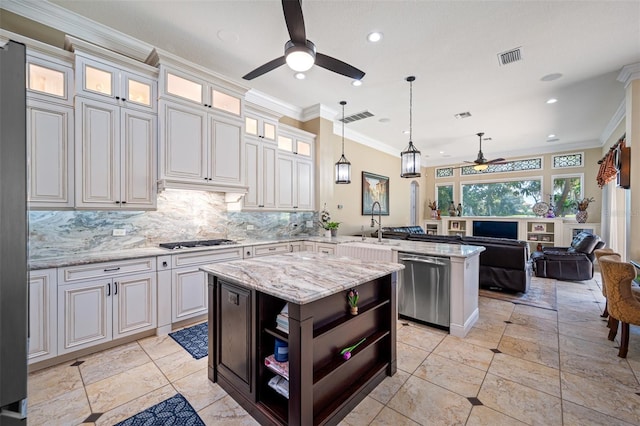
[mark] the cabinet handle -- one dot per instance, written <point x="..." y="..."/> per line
<point x="117" y="202"/>
<point x="295" y="207"/>
<point x="272" y="248"/>
<point x="123" y="202"/>
<point x="123" y="99"/>
<point x="111" y="269"/>
<point x="115" y="288"/>
<point x="164" y="264"/>
<point x="108" y="289"/>
<point x="118" y="97"/>
<point x="260" y="205"/>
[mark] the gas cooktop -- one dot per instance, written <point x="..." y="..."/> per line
<point x="196" y="243"/>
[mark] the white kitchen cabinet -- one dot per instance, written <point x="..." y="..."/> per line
<point x="271" y="249"/>
<point x="260" y="175"/>
<point x="260" y="126"/>
<point x="49" y="77"/>
<point x="200" y="148"/>
<point x="327" y="248"/>
<point x="294" y="186"/>
<point x="42" y="315"/>
<point x="50" y="154"/>
<point x="115" y="156"/>
<point x="134" y="304"/>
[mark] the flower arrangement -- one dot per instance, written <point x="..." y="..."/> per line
<point x="346" y="352"/>
<point x="584" y="203"/>
<point x="352" y="298"/>
<point x="432" y="205"/>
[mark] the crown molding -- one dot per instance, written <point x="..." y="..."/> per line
<point x="69" y="22"/>
<point x="318" y="110"/>
<point x="614" y="122"/>
<point x="273" y="104"/>
<point x="35" y="47"/>
<point x="629" y="73"/>
<point x="364" y="140"/>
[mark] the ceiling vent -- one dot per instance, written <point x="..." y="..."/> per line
<point x="357" y="116"/>
<point x="510" y="56"/>
<point x="462" y="115"/>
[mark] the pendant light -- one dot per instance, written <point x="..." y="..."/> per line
<point x="343" y="166"/>
<point x="410" y="157"/>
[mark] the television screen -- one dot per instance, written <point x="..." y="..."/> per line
<point x="496" y="229"/>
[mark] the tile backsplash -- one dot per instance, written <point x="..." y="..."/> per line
<point x="181" y="215"/>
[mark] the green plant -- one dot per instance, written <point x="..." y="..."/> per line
<point x="331" y="225"/>
<point x="352" y="298"/>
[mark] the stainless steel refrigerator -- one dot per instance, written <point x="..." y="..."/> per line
<point x="14" y="307"/>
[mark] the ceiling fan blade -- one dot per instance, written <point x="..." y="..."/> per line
<point x="265" y="68"/>
<point x="295" y="21"/>
<point x="496" y="161"/>
<point x="337" y="66"/>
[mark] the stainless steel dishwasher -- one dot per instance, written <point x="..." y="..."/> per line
<point x="424" y="289"/>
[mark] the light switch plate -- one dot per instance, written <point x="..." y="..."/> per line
<point x="119" y="232"/>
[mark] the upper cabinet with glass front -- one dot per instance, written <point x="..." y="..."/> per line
<point x="260" y="123"/>
<point x="49" y="79"/>
<point x="295" y="141"/>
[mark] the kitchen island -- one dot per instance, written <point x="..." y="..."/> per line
<point x="245" y="298"/>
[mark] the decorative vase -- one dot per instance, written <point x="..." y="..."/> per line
<point x="334" y="232"/>
<point x="354" y="310"/>
<point x="434" y="214"/>
<point x="581" y="216"/>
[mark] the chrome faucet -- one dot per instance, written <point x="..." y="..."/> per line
<point x="379" y="221"/>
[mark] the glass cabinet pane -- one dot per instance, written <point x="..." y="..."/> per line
<point x="251" y="126"/>
<point x="139" y="92"/>
<point x="184" y="88"/>
<point x="285" y="143"/>
<point x="225" y="102"/>
<point x="46" y="80"/>
<point x="96" y="80"/>
<point x="269" y="131"/>
<point x="304" y="148"/>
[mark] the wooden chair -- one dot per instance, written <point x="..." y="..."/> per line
<point x="622" y="304"/>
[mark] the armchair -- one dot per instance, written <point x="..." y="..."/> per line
<point x="573" y="263"/>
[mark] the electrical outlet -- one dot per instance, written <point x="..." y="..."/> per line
<point x="309" y="224"/>
<point x="119" y="232"/>
<point x="249" y="227"/>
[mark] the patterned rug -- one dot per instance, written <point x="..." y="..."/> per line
<point x="175" y="411"/>
<point x="541" y="294"/>
<point x="194" y="339"/>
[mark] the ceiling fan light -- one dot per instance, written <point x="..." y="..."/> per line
<point x="299" y="57"/>
<point x="480" y="167"/>
<point x="410" y="162"/>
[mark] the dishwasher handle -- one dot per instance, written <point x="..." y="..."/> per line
<point x="430" y="261"/>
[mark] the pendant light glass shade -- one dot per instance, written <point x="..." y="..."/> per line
<point x="410" y="157"/>
<point x="343" y="166"/>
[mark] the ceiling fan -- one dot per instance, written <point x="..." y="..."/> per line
<point x="299" y="53"/>
<point x="481" y="163"/>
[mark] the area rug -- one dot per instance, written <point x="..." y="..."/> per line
<point x="541" y="294"/>
<point x="175" y="411"/>
<point x="194" y="339"/>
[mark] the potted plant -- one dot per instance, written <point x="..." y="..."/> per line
<point x="332" y="227"/>
<point x="352" y="298"/>
<point x="582" y="205"/>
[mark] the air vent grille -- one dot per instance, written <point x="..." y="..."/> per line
<point x="357" y="116"/>
<point x="462" y="115"/>
<point x="510" y="56"/>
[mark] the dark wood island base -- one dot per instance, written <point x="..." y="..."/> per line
<point x="323" y="386"/>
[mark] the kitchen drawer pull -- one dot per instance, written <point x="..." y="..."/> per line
<point x="112" y="269"/>
<point x="115" y="288"/>
<point x="272" y="248"/>
<point x="108" y="289"/>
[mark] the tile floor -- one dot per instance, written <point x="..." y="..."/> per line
<point x="518" y="365"/>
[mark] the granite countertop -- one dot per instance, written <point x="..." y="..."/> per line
<point x="301" y="277"/>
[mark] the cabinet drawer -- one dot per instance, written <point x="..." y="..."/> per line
<point x="270" y="249"/>
<point x="326" y="248"/>
<point x="100" y="270"/>
<point x="201" y="257"/>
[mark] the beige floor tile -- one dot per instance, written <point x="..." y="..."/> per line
<point x="489" y="323"/>
<point x="533" y="311"/>
<point x="363" y="414"/>
<point x="459" y="350"/>
<point x="420" y="337"/>
<point x="495" y="305"/>
<point x="577" y="415"/>
<point x="524" y="403"/>
<point x="389" y="417"/>
<point x="534" y="335"/>
<point x="527" y="373"/>
<point x="605" y="350"/>
<point x="226" y="412"/>
<point x="427" y="403"/>
<point x="199" y="390"/>
<point x="579" y="312"/>
<point x="116" y="390"/>
<point x="113" y="361"/>
<point x="531" y="351"/>
<point x="614" y="371"/>
<point x="70" y="408"/>
<point x="451" y="375"/>
<point x="159" y="346"/>
<point x="135" y="406"/>
<point x="534" y="322"/>
<point x="180" y="364"/>
<point x="409" y="357"/>
<point x="52" y="382"/>
<point x="584" y="332"/>
<point x="389" y="386"/>
<point x="485" y="338"/>
<point x="485" y="416"/>
<point x="614" y="401"/>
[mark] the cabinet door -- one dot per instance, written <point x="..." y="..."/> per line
<point x="97" y="80"/>
<point x="48" y="80"/>
<point x="138" y="92"/>
<point x="50" y="154"/>
<point x="97" y="154"/>
<point x="138" y="159"/>
<point x="188" y="293"/>
<point x="225" y="154"/>
<point x="304" y="185"/>
<point x="252" y="174"/>
<point x="84" y="315"/>
<point x="42" y="315"/>
<point x="134" y="304"/>
<point x="268" y="176"/>
<point x="285" y="185"/>
<point x="184" y="144"/>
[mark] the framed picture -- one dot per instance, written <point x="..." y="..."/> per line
<point x="375" y="188"/>
<point x="539" y="227"/>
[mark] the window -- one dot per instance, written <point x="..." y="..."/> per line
<point x="567" y="190"/>
<point x="506" y="198"/>
<point x="444" y="196"/>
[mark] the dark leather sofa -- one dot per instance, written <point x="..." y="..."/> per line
<point x="573" y="263"/>
<point x="503" y="265"/>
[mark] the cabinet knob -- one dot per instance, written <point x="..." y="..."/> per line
<point x="123" y="99"/>
<point x="165" y="264"/>
<point x="118" y="97"/>
<point x="123" y="202"/>
<point x="117" y="202"/>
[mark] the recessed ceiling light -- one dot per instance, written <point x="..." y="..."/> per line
<point x="551" y="77"/>
<point x="441" y="152"/>
<point x="552" y="101"/>
<point x="356" y="83"/>
<point x="374" y="37"/>
<point x="300" y="75"/>
<point x="551" y="136"/>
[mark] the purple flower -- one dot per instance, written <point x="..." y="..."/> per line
<point x="346" y="355"/>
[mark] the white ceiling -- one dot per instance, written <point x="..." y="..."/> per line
<point x="450" y="46"/>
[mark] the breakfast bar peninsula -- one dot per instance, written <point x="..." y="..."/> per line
<point x="318" y="384"/>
